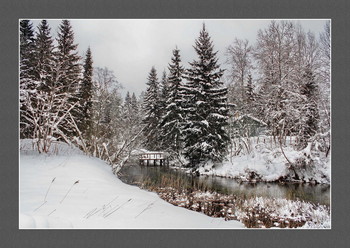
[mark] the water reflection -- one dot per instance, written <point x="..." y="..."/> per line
<point x="134" y="174"/>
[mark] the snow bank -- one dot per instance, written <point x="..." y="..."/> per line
<point x="267" y="163"/>
<point x="66" y="189"/>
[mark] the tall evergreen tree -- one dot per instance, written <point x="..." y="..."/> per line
<point x="44" y="53"/>
<point x="163" y="96"/>
<point x="47" y="110"/>
<point x="310" y="116"/>
<point x="205" y="96"/>
<point x="27" y="52"/>
<point x="127" y="111"/>
<point x="134" y="104"/>
<point x="172" y="118"/>
<point x="250" y="97"/>
<point x="127" y="101"/>
<point x="68" y="68"/>
<point x="68" y="61"/>
<point x="85" y="97"/>
<point x="164" y="89"/>
<point x="152" y="112"/>
<point x="27" y="78"/>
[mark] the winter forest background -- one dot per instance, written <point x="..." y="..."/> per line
<point x="271" y="104"/>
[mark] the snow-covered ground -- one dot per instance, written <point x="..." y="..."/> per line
<point x="67" y="189"/>
<point x="268" y="162"/>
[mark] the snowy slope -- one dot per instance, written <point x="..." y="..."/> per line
<point x="66" y="189"/>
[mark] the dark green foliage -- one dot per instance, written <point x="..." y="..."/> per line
<point x="27" y="53"/>
<point x="85" y="95"/>
<point x="127" y="110"/>
<point x="172" y="118"/>
<point x="152" y="112"/>
<point x="44" y="62"/>
<point x="27" y="83"/>
<point x="67" y="59"/>
<point x="249" y="93"/>
<point x="68" y="70"/>
<point x="205" y="101"/>
<point x="310" y="118"/>
<point x="134" y="104"/>
<point x="164" y="89"/>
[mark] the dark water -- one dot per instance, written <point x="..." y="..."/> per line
<point x="137" y="175"/>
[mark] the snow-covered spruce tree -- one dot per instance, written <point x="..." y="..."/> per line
<point x="44" y="57"/>
<point x="27" y="50"/>
<point x="27" y="79"/>
<point x="163" y="92"/>
<point x="131" y="116"/>
<point x="85" y="98"/>
<point x="172" y="119"/>
<point x="152" y="110"/>
<point x="310" y="109"/>
<point x="68" y="69"/>
<point x="127" y="113"/>
<point x="127" y="101"/>
<point x="47" y="107"/>
<point x="163" y="97"/>
<point x="250" y="96"/>
<point x="205" y="100"/>
<point x="130" y="119"/>
<point x="134" y="105"/>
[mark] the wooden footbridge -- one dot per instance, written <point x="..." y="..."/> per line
<point x="153" y="158"/>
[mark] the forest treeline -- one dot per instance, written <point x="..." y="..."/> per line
<point x="282" y="81"/>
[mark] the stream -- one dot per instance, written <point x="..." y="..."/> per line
<point x="164" y="176"/>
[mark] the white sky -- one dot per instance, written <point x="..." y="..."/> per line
<point x="130" y="47"/>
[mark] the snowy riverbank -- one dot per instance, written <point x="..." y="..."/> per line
<point x="66" y="189"/>
<point x="266" y="162"/>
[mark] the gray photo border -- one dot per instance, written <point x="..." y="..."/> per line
<point x="13" y="10"/>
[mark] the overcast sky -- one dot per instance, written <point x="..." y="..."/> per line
<point x="130" y="47"/>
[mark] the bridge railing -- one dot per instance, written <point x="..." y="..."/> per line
<point x="154" y="157"/>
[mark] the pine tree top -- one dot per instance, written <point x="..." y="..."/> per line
<point x="66" y="39"/>
<point x="205" y="72"/>
<point x="205" y="50"/>
<point x="26" y="30"/>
